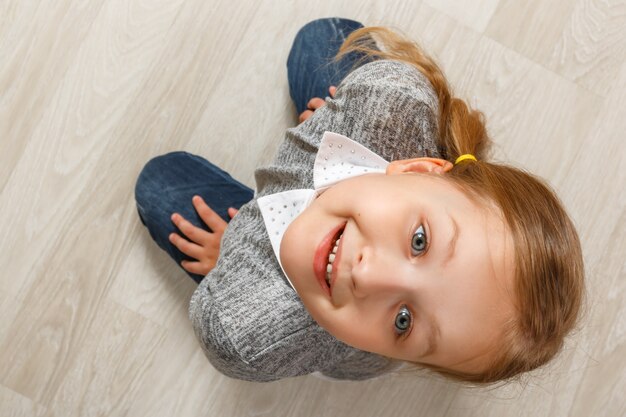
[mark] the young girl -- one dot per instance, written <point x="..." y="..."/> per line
<point x="379" y="236"/>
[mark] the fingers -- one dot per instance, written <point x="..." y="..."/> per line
<point x="232" y="212"/>
<point x="202" y="245"/>
<point x="197" y="234"/>
<point x="305" y="115"/>
<point x="315" y="103"/>
<point x="186" y="247"/>
<point x="206" y="213"/>
<point x="197" y="267"/>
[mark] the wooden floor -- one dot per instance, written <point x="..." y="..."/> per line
<point x="93" y="316"/>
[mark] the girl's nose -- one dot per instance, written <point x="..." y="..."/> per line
<point x="374" y="274"/>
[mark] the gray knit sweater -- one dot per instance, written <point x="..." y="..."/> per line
<point x="250" y="322"/>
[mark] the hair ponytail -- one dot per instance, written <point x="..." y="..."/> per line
<point x="462" y="129"/>
<point x="549" y="273"/>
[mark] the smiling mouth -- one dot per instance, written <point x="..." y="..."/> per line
<point x="332" y="254"/>
<point x="323" y="261"/>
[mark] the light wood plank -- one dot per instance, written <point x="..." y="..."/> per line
<point x="109" y="369"/>
<point x="474" y="14"/>
<point x="593" y="45"/>
<point x="13" y="404"/>
<point x="582" y="40"/>
<point x="37" y="46"/>
<point x="152" y="285"/>
<point x="74" y="134"/>
<point x="73" y="281"/>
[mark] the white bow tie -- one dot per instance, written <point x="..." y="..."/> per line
<point x="338" y="158"/>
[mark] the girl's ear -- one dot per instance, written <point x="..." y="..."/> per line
<point x="435" y="165"/>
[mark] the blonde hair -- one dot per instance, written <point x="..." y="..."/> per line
<point x="549" y="273"/>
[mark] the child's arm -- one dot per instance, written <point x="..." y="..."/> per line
<point x="388" y="106"/>
<point x="203" y="245"/>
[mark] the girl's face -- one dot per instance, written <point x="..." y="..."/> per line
<point x="421" y="272"/>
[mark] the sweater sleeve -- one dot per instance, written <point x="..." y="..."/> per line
<point x="390" y="107"/>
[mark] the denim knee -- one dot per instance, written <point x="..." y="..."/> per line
<point x="149" y="182"/>
<point x="320" y="30"/>
<point x="151" y="170"/>
<point x="339" y="24"/>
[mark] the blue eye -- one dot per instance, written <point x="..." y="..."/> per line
<point x="403" y="320"/>
<point x="419" y="243"/>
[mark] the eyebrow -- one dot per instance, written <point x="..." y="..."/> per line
<point x="452" y="244"/>
<point x="433" y="335"/>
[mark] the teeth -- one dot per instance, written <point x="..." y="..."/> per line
<point x="331" y="259"/>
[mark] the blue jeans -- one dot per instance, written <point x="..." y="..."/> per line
<point x="310" y="66"/>
<point x="167" y="183"/>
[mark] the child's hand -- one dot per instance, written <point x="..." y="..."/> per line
<point x="206" y="248"/>
<point x="314" y="104"/>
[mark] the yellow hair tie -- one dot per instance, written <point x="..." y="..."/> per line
<point x="464" y="157"/>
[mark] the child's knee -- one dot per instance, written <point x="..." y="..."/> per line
<point x="332" y="24"/>
<point x="152" y="177"/>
